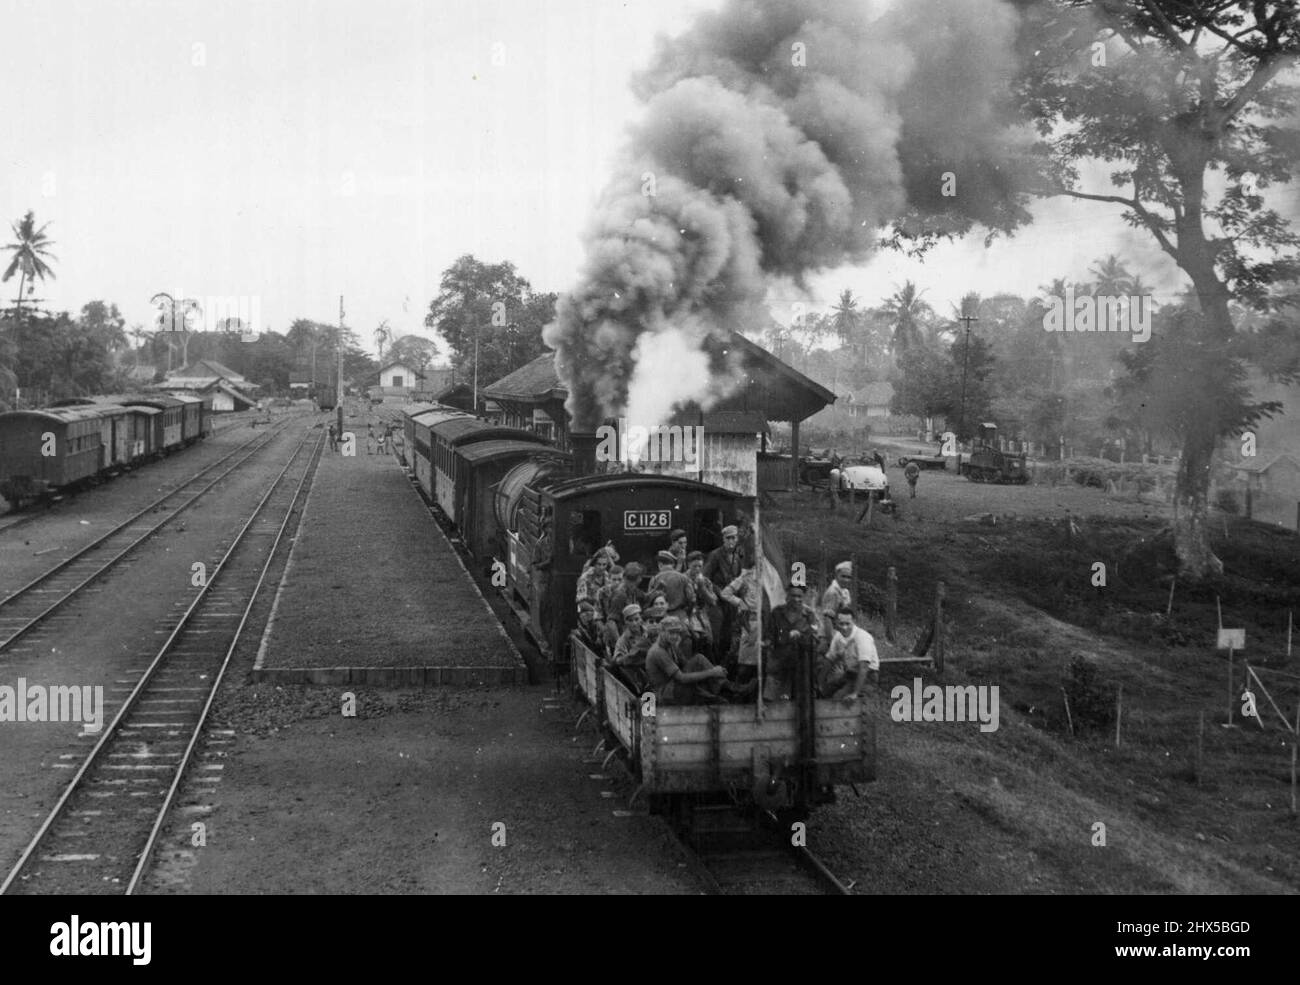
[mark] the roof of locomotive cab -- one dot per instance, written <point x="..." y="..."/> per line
<point x="458" y="430"/>
<point x="603" y="482"/>
<point x="489" y="451"/>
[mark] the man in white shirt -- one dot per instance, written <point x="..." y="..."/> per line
<point x="850" y="660"/>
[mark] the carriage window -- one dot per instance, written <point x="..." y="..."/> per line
<point x="584" y="532"/>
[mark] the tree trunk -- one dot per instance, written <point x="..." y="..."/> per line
<point x="1191" y="507"/>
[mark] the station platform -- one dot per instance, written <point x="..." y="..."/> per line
<point x="374" y="594"/>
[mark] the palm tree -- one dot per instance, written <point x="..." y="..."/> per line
<point x="1110" y="278"/>
<point x="30" y="250"/>
<point x="905" y="309"/>
<point x="383" y="335"/>
<point x="846" y="317"/>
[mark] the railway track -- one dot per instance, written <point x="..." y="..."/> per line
<point x="101" y="834"/>
<point x="27" y="607"/>
<point x="735" y="855"/>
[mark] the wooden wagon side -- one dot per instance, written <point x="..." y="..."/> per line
<point x="711" y="747"/>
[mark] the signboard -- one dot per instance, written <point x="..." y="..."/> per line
<point x="1234" y="639"/>
<point x="647" y="521"/>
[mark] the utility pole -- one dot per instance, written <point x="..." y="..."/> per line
<point x="965" y="357"/>
<point x="338" y="381"/>
<point x="476" y="335"/>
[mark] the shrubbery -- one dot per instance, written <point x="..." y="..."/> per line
<point x="1097" y="472"/>
<point x="1092" y="700"/>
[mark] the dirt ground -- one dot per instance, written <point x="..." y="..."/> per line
<point x="958" y="810"/>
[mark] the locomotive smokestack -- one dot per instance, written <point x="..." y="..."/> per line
<point x="583" y="445"/>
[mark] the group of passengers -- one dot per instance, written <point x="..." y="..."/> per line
<point x="691" y="634"/>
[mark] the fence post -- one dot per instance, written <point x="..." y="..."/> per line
<point x="1119" y="711"/>
<point x="891" y="603"/>
<point x="939" y="593"/>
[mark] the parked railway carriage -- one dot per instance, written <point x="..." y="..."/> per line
<point x="196" y="416"/>
<point x="45" y="450"/>
<point x="452" y="433"/>
<point x="169" y="433"/>
<point x="409" y="413"/>
<point x="115" y="429"/>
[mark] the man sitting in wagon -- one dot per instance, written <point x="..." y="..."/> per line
<point x="850" y="661"/>
<point x="618" y="595"/>
<point x="589" y="631"/>
<point x="677" y="589"/>
<point x="695" y="682"/>
<point x="634" y="641"/>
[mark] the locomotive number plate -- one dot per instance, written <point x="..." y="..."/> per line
<point x="635" y="521"/>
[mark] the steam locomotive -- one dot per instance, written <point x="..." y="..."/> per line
<point x="515" y="498"/>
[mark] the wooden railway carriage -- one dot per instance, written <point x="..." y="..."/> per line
<point x="422" y="443"/>
<point x="169" y="433"/>
<point x="196" y="416"/>
<point x="409" y="413"/>
<point x="44" y="450"/>
<point x="451" y="433"/>
<point x="115" y="429"/>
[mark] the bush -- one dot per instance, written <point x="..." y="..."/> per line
<point x="1092" y="700"/>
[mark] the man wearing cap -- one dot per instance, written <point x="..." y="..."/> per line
<point x="793" y="632"/>
<point x="705" y="618"/>
<point x="594" y="578"/>
<point x="589" y="631"/>
<point x="677" y="589"/>
<point x="724" y="563"/>
<point x="850" y="661"/>
<point x="634" y="641"/>
<point x="836" y="597"/>
<point x="677" y="542"/>
<point x="696" y="681"/>
<point x="722" y="568"/>
<point x="744" y="596"/>
<point x="618" y="596"/>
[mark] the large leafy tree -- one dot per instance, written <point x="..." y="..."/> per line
<point x="490" y="309"/>
<point x="1188" y="103"/>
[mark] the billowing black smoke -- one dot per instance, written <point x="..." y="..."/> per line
<point x="778" y="138"/>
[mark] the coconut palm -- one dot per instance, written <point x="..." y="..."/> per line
<point x="1111" y="278"/>
<point x="906" y="310"/>
<point x="847" y="317"/>
<point x="30" y="251"/>
<point x="383" y="335"/>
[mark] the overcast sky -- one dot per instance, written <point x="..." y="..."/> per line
<point x="299" y="151"/>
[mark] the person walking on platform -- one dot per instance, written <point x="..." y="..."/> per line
<point x="370" y="439"/>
